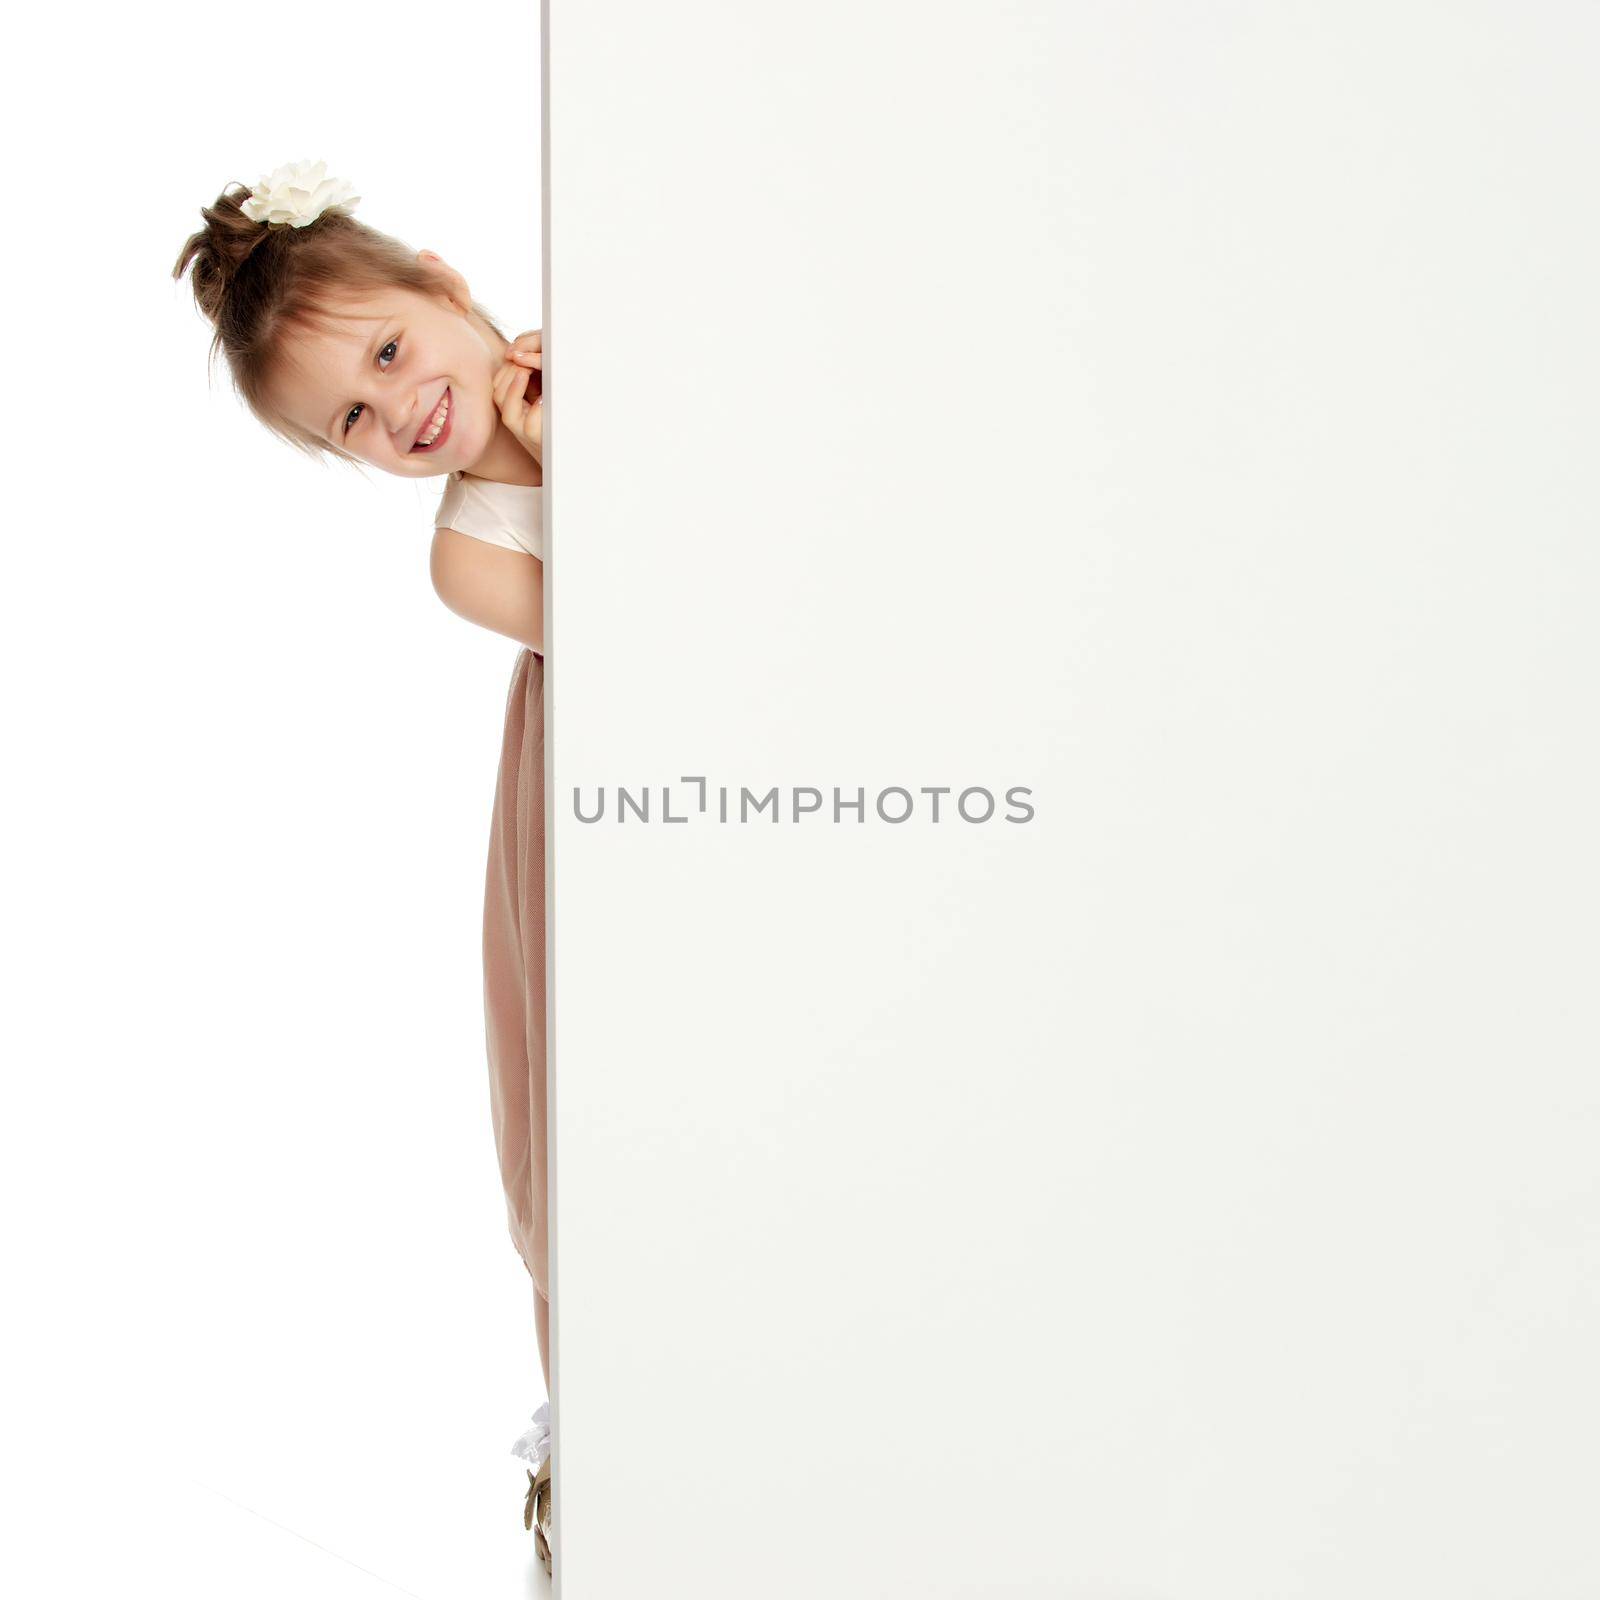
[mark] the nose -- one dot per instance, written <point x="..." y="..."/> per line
<point x="399" y="414"/>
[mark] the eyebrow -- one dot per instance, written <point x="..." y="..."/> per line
<point x="336" y="431"/>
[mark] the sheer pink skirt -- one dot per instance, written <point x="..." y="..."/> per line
<point x="513" y="969"/>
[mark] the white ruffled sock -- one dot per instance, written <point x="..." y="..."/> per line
<point x="533" y="1446"/>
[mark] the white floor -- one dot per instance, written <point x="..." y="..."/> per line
<point x="302" y="1384"/>
<point x="228" y="1548"/>
<point x="139" y="1533"/>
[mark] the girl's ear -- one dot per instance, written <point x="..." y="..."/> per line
<point x="451" y="283"/>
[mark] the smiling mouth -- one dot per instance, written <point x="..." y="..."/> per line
<point x="435" y="430"/>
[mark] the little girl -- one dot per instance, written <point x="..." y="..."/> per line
<point x="342" y="340"/>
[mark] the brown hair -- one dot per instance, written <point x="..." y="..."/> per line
<point x="257" y="282"/>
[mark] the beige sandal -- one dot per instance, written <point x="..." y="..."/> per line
<point x="539" y="1507"/>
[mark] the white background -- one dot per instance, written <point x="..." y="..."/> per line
<point x="256" y="1241"/>
<point x="1188" y="1196"/>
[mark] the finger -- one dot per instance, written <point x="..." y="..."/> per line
<point x="529" y="358"/>
<point x="511" y="398"/>
<point x="520" y="403"/>
<point x="510" y="373"/>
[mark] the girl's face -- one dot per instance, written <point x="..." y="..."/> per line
<point x="400" y="380"/>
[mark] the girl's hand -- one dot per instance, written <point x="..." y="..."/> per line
<point x="518" y="392"/>
<point x="528" y="348"/>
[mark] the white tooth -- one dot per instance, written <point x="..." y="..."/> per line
<point x="436" y="422"/>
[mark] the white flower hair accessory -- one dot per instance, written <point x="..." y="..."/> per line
<point x="298" y="193"/>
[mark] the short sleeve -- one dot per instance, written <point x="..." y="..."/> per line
<point x="506" y="514"/>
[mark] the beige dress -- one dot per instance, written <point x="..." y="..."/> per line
<point x="511" y="515"/>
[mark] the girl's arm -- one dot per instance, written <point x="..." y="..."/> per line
<point x="499" y="589"/>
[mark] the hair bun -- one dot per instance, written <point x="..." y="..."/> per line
<point x="215" y="255"/>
